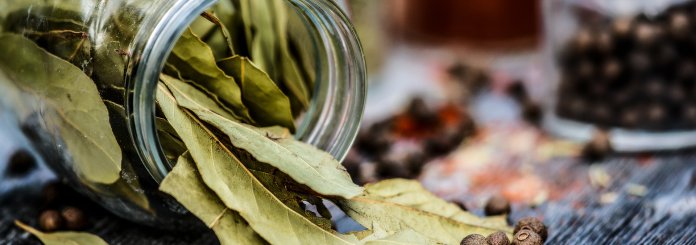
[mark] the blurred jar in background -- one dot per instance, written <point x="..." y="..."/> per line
<point x="480" y="23"/>
<point x="625" y="66"/>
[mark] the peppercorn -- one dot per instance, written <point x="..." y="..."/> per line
<point x="534" y="225"/>
<point x="498" y="238"/>
<point x="612" y="69"/>
<point x="474" y="239"/>
<point x="527" y="237"/>
<point x="50" y="220"/>
<point x="74" y="218"/>
<point x="390" y="169"/>
<point x="679" y="25"/>
<point x="497" y="205"/>
<point x="598" y="148"/>
<point x="517" y="91"/>
<point x="20" y="164"/>
<point x="419" y="111"/>
<point x="531" y="112"/>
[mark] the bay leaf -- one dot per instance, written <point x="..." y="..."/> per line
<point x="127" y="186"/>
<point x="78" y="112"/>
<point x="294" y="83"/>
<point x="406" y="236"/>
<point x="266" y="102"/>
<point x="62" y="238"/>
<point x="189" y="96"/>
<point x="412" y="194"/>
<point x="186" y="186"/>
<point x="238" y="188"/>
<point x="194" y="59"/>
<point x="304" y="163"/>
<point x="223" y="31"/>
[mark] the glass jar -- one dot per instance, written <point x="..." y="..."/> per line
<point x="133" y="39"/>
<point x="627" y="67"/>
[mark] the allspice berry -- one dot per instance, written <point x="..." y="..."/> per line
<point x="474" y="239"/>
<point x="527" y="237"/>
<point x="20" y="164"/>
<point x="598" y="148"/>
<point x="534" y="225"/>
<point x="50" y="220"/>
<point x="498" y="238"/>
<point x="74" y="218"/>
<point x="497" y="205"/>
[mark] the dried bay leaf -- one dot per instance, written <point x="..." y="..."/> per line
<point x="266" y="102"/>
<point x="186" y="186"/>
<point x="189" y="96"/>
<point x="239" y="189"/>
<point x="62" y="238"/>
<point x="304" y="163"/>
<point x="127" y="185"/>
<point x="194" y="59"/>
<point x="80" y="115"/>
<point x="294" y="83"/>
<point x="373" y="210"/>
<point x="411" y="193"/>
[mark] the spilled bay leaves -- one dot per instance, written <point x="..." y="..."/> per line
<point x="63" y="238"/>
<point x="75" y="106"/>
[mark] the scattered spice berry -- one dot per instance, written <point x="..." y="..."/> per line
<point x="497" y="238"/>
<point x="497" y="205"/>
<point x="533" y="224"/>
<point x="20" y="164"/>
<point x="598" y="148"/>
<point x="50" y="220"/>
<point x="527" y="237"/>
<point x="474" y="239"/>
<point x="74" y="218"/>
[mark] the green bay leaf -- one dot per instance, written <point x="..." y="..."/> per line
<point x="412" y="194"/>
<point x="196" y="62"/>
<point x="76" y="109"/>
<point x="266" y="102"/>
<point x="189" y="96"/>
<point x="383" y="207"/>
<point x="186" y="186"/>
<point x="304" y="163"/>
<point x="63" y="238"/>
<point x="239" y="189"/>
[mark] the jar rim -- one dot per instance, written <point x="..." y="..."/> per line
<point x="334" y="116"/>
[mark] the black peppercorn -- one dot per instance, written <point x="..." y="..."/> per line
<point x="20" y="164"/>
<point x="630" y="118"/>
<point x="517" y="91"/>
<point x="474" y="239"/>
<point x="585" y="69"/>
<point x="420" y="112"/>
<point x="527" y="237"/>
<point x="679" y="25"/>
<point x="532" y="113"/>
<point x="646" y="34"/>
<point x="74" y="218"/>
<point x="498" y="238"/>
<point x="598" y="148"/>
<point x="584" y="39"/>
<point x="622" y="27"/>
<point x="532" y="224"/>
<point x="612" y="69"/>
<point x="391" y="169"/>
<point x="639" y="62"/>
<point x="50" y="220"/>
<point x="656" y="114"/>
<point x="497" y="205"/>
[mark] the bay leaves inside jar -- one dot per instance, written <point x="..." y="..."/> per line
<point x="195" y="61"/>
<point x="186" y="186"/>
<point x="266" y="102"/>
<point x="305" y="163"/>
<point x="76" y="109"/>
<point x="243" y="192"/>
<point x="62" y="238"/>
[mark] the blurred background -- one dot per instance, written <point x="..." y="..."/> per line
<point x="579" y="112"/>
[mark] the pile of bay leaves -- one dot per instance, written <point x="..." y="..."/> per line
<point x="227" y="101"/>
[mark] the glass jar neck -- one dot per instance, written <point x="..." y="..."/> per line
<point x="332" y="121"/>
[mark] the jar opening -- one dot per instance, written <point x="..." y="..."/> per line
<point x="332" y="118"/>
